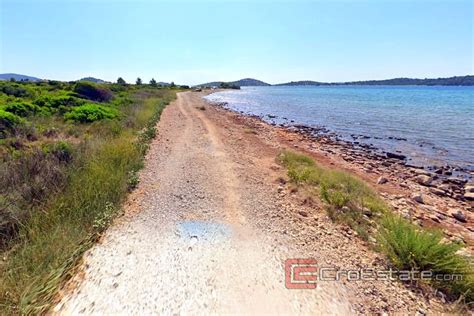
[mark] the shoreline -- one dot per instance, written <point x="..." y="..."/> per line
<point x="432" y="198"/>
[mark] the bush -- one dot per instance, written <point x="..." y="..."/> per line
<point x="7" y="121"/>
<point x="62" y="150"/>
<point x="15" y="90"/>
<point x="133" y="180"/>
<point x="90" y="113"/>
<point x="410" y="248"/>
<point x="21" y="108"/>
<point x="58" y="104"/>
<point x="91" y="91"/>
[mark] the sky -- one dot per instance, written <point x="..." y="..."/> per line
<point x="191" y="42"/>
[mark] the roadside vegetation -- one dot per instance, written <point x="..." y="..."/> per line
<point x="69" y="153"/>
<point x="352" y="202"/>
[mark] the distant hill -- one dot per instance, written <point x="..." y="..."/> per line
<point x="452" y="81"/>
<point x="18" y="77"/>
<point x="303" y="83"/>
<point x="92" y="79"/>
<point x="247" y="82"/>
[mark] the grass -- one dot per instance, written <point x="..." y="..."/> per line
<point x="410" y="247"/>
<point x="350" y="201"/>
<point x="77" y="176"/>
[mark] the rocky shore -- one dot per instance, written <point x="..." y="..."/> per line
<point x="435" y="196"/>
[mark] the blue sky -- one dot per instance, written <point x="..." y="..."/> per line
<point x="198" y="41"/>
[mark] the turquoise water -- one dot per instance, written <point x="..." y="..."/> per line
<point x="430" y="125"/>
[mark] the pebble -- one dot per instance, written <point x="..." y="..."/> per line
<point x="424" y="180"/>
<point x="438" y="191"/>
<point x="303" y="213"/>
<point x="460" y="216"/>
<point x="469" y="196"/>
<point x="417" y="197"/>
<point x="469" y="187"/>
<point x="382" y="180"/>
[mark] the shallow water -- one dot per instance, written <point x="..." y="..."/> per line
<point x="430" y="125"/>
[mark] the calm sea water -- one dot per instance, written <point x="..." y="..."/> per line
<point x="435" y="124"/>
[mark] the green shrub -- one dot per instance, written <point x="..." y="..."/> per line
<point x="91" y="91"/>
<point x="21" y="108"/>
<point x="59" y="104"/>
<point x="133" y="180"/>
<point x="7" y="121"/>
<point x="13" y="89"/>
<point x="90" y="113"/>
<point x="62" y="150"/>
<point x="411" y="248"/>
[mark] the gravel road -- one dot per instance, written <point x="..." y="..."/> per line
<point x="203" y="232"/>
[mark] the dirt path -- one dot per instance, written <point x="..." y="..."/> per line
<point x="208" y="230"/>
<point x="189" y="248"/>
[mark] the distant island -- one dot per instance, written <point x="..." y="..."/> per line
<point x="247" y="82"/>
<point x="451" y="81"/>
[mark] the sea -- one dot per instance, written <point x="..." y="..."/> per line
<point x="430" y="125"/>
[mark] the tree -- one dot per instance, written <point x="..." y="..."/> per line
<point x="153" y="82"/>
<point x="139" y="81"/>
<point x="121" y="81"/>
<point x="172" y="85"/>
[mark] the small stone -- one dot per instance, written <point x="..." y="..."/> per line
<point x="417" y="197"/>
<point x="382" y="180"/>
<point x="437" y="191"/>
<point x="469" y="196"/>
<point x="421" y="171"/>
<point x="460" y="216"/>
<point x="445" y="187"/>
<point x="303" y="213"/>
<point x="424" y="179"/>
<point x="469" y="187"/>
<point x="395" y="156"/>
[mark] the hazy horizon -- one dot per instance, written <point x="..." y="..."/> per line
<point x="196" y="42"/>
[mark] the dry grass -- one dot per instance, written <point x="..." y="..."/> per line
<point x="61" y="228"/>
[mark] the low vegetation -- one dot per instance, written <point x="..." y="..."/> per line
<point x="350" y="201"/>
<point x="69" y="153"/>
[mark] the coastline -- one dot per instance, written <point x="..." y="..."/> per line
<point x="431" y="198"/>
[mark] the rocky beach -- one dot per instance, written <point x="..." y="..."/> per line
<point x="434" y="196"/>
